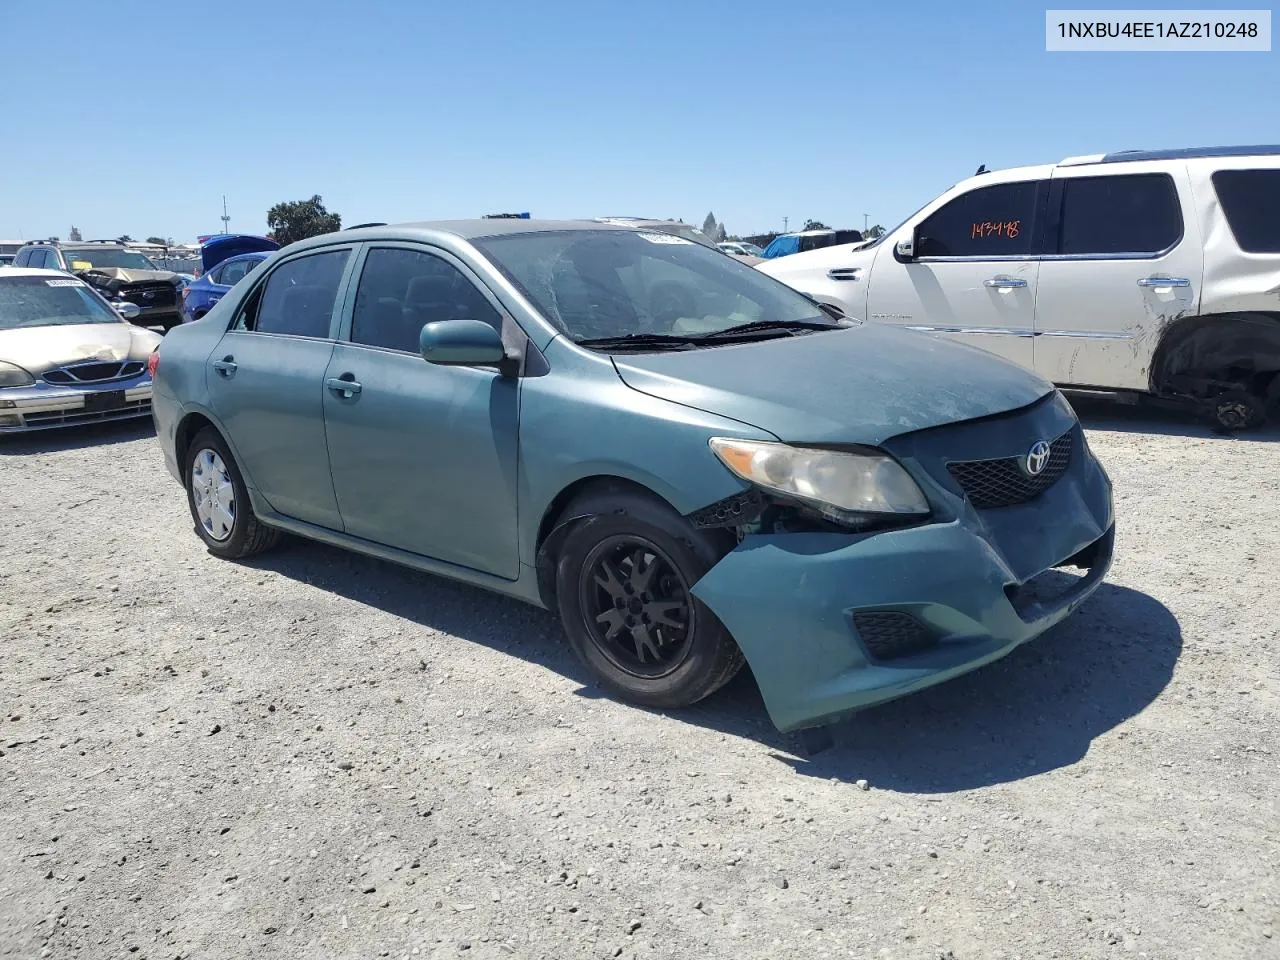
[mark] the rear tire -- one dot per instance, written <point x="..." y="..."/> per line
<point x="219" y="500"/>
<point x="1236" y="411"/>
<point x="623" y="579"/>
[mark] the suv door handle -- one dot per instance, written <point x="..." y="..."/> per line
<point x="344" y="386"/>
<point x="1004" y="283"/>
<point x="1164" y="282"/>
<point x="226" y="367"/>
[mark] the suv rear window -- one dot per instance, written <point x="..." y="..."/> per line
<point x="1251" y="201"/>
<point x="1124" y="214"/>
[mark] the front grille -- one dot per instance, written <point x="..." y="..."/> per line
<point x="67" y="418"/>
<point x="1005" y="482"/>
<point x="148" y="295"/>
<point x="96" y="372"/>
<point x="889" y="634"/>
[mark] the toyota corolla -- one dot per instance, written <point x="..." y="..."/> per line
<point x="692" y="464"/>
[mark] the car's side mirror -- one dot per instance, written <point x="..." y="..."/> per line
<point x="463" y="342"/>
<point x="906" y="249"/>
<point x="129" y="311"/>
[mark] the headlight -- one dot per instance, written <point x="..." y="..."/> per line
<point x="835" y="482"/>
<point x="12" y="375"/>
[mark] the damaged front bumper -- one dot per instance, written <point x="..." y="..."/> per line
<point x="794" y="602"/>
<point x="831" y="623"/>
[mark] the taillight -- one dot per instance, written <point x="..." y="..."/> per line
<point x="153" y="362"/>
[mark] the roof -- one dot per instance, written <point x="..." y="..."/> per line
<point x="1178" y="153"/>
<point x="9" y="273"/>
<point x="475" y="229"/>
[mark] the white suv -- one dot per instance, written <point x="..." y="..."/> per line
<point x="1135" y="274"/>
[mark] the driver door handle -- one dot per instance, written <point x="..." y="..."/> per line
<point x="1164" y="282"/>
<point x="226" y="367"/>
<point x="1004" y="283"/>
<point x="344" y="386"/>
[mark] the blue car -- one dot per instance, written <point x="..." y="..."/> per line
<point x="224" y="262"/>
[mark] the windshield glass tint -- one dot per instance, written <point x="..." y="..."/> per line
<point x="128" y="259"/>
<point x="50" y="301"/>
<point x="604" y="283"/>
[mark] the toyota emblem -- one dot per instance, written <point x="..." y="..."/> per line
<point x="1037" y="458"/>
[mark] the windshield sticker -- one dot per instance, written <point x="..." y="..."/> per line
<point x="663" y="238"/>
<point x="65" y="283"/>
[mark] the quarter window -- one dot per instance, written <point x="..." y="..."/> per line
<point x="1251" y="201"/>
<point x="403" y="290"/>
<point x="233" y="273"/>
<point x="1130" y="214"/>
<point x="299" y="296"/>
<point x="994" y="221"/>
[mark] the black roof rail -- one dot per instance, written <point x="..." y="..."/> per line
<point x="1191" y="153"/>
<point x="357" y="226"/>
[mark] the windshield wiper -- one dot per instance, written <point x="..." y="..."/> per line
<point x="785" y="327"/>
<point x="641" y="340"/>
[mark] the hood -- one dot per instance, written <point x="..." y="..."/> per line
<point x="37" y="349"/>
<point x="863" y="384"/>
<point x="812" y="264"/>
<point x="128" y="275"/>
<point x="217" y="249"/>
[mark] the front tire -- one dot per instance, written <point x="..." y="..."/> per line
<point x="219" y="501"/>
<point x="624" y="575"/>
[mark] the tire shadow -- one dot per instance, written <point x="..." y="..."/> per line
<point x="1096" y="414"/>
<point x="1038" y="709"/>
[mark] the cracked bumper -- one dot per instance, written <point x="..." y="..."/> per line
<point x="789" y="600"/>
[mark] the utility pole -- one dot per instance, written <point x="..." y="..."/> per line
<point x="866" y="220"/>
<point x="225" y="219"/>
<point x="785" y="221"/>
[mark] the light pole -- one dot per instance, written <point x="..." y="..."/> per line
<point x="225" y="219"/>
<point x="785" y="221"/>
<point x="866" y="219"/>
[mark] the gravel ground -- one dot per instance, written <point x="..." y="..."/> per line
<point x="316" y="754"/>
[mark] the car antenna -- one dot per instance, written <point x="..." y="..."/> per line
<point x="982" y="168"/>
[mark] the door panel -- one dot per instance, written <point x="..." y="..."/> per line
<point x="267" y="392"/>
<point x="424" y="457"/>
<point x="1112" y="242"/>
<point x="974" y="276"/>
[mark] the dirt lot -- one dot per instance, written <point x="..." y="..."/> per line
<point x="326" y="756"/>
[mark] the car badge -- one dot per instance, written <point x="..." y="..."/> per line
<point x="1037" y="458"/>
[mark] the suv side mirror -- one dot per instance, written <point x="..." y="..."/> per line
<point x="905" y="249"/>
<point x="464" y="342"/>
<point x="129" y="311"/>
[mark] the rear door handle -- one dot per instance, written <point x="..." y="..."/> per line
<point x="1164" y="282"/>
<point x="1004" y="283"/>
<point x="226" y="367"/>
<point x="345" y="386"/>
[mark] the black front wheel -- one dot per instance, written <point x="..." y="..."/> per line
<point x="623" y="585"/>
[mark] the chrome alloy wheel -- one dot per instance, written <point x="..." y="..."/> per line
<point x="214" y="494"/>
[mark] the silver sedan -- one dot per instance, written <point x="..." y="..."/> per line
<point x="67" y="356"/>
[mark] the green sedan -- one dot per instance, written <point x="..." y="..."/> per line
<point x="694" y="465"/>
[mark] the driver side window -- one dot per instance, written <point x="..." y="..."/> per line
<point x="995" y="221"/>
<point x="402" y="290"/>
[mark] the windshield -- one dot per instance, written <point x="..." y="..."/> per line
<point x="128" y="259"/>
<point x="50" y="301"/>
<point x="594" y="284"/>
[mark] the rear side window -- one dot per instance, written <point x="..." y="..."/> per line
<point x="994" y="221"/>
<point x="1128" y="214"/>
<point x="403" y="290"/>
<point x="22" y="259"/>
<point x="299" y="296"/>
<point x="1251" y="201"/>
<point x="233" y="273"/>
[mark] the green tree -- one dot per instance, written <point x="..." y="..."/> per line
<point x="158" y="240"/>
<point x="871" y="233"/>
<point x="293" y="221"/>
<point x="710" y="227"/>
<point x="74" y="235"/>
<point x="815" y="225"/>
<point x="124" y="239"/>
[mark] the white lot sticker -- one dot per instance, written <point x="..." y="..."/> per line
<point x="664" y="238"/>
<point x="65" y="283"/>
